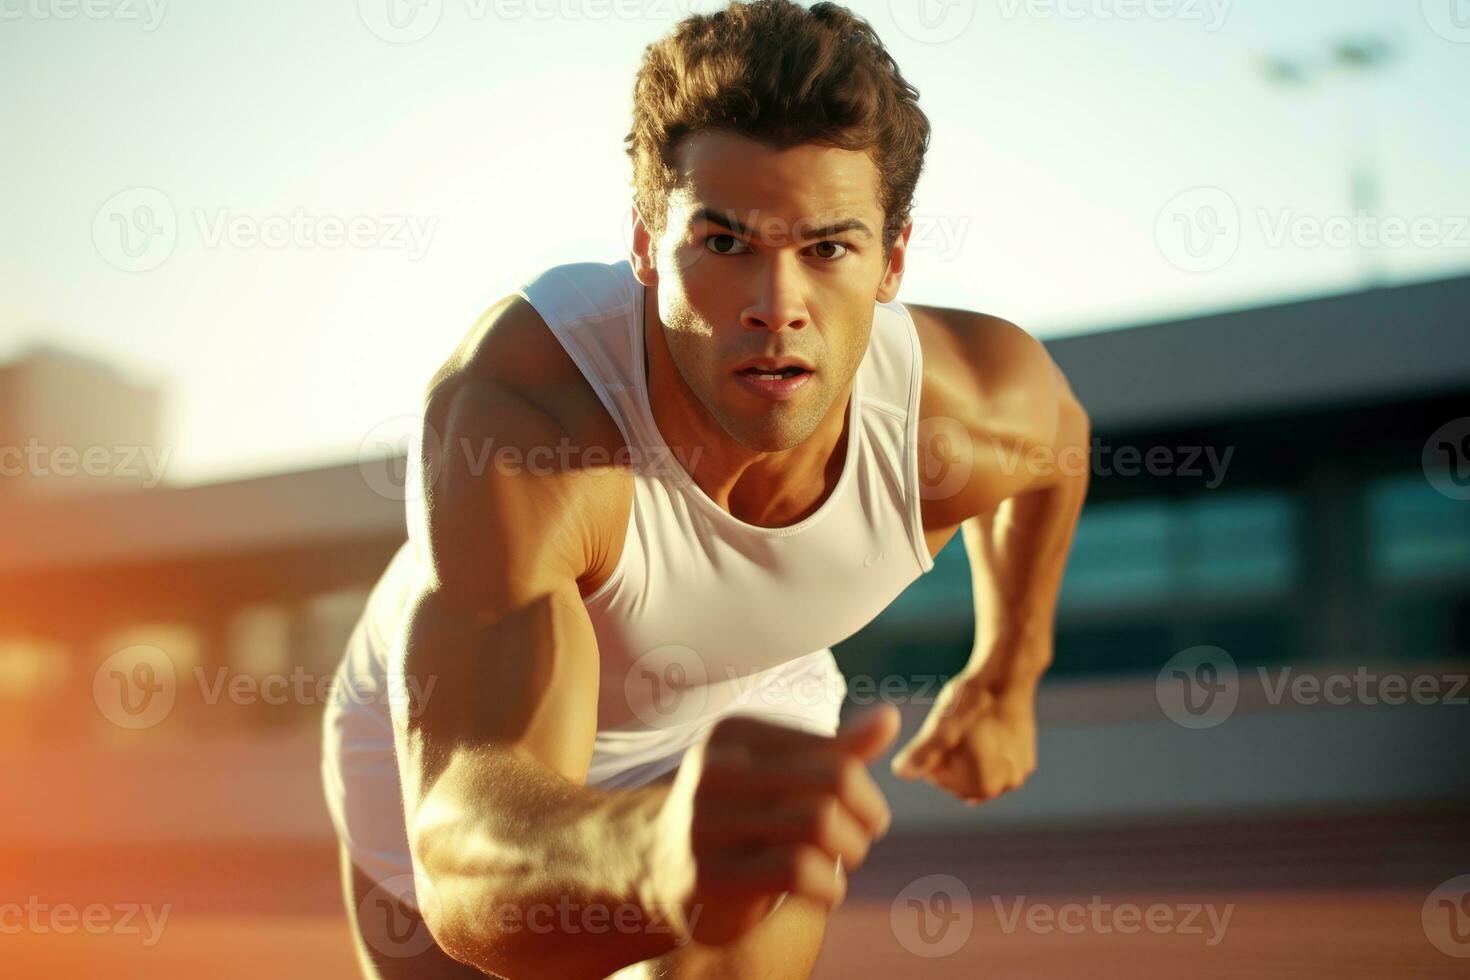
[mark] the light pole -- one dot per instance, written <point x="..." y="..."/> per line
<point x="1351" y="58"/>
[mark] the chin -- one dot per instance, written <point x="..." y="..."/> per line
<point x="767" y="435"/>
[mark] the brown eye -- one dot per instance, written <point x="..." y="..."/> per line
<point x="730" y="238"/>
<point x="832" y="258"/>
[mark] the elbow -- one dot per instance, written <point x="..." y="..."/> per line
<point x="471" y="917"/>
<point x="451" y="904"/>
<point x="454" y="920"/>
<point x="490" y="944"/>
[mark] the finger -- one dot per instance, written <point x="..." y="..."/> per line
<point x="958" y="774"/>
<point x="939" y="733"/>
<point x="922" y="754"/>
<point x="869" y="733"/>
<point x="961" y="773"/>
<point x="822" y="821"/>
<point x="727" y="776"/>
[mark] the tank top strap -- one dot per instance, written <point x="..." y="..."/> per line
<point x="591" y="308"/>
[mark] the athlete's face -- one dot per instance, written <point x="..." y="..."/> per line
<point x="771" y="254"/>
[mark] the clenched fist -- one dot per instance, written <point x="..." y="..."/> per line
<point x="758" y="809"/>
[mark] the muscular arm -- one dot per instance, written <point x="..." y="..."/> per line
<point x="1018" y="553"/>
<point x="1023" y="441"/>
<point x="503" y="830"/>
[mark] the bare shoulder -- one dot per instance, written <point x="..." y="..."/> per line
<point x="511" y="345"/>
<point x="991" y="395"/>
<point x="515" y="419"/>
<point x="986" y="372"/>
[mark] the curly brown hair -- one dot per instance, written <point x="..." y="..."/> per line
<point x="782" y="74"/>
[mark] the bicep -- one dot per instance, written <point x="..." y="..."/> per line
<point x="497" y="653"/>
<point x="1030" y="431"/>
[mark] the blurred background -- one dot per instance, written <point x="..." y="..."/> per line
<point x="239" y="239"/>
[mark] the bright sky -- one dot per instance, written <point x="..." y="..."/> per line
<point x="491" y="147"/>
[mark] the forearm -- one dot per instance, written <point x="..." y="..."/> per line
<point x="1018" y="554"/>
<point x="541" y="876"/>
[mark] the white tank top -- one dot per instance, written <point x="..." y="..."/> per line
<point x="704" y="615"/>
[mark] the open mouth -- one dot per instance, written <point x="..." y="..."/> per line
<point x="768" y="375"/>
<point x="774" y="384"/>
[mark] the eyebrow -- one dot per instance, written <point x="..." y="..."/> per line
<point x="826" y="231"/>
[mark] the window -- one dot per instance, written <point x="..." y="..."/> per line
<point x="1152" y="552"/>
<point x="1415" y="532"/>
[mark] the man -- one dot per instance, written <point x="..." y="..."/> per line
<point x="651" y="496"/>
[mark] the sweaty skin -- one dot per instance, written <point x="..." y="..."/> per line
<point x="494" y="766"/>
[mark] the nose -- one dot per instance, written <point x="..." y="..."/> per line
<point x="779" y="302"/>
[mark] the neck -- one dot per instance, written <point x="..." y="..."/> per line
<point x="766" y="489"/>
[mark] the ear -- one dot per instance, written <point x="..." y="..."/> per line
<point x="893" y="275"/>
<point x="642" y="251"/>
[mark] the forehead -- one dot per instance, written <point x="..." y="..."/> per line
<point x="725" y="170"/>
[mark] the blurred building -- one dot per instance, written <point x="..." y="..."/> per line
<point x="71" y="424"/>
